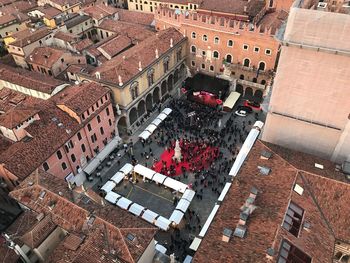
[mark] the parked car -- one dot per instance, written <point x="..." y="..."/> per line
<point x="252" y="104"/>
<point x="241" y="113"/>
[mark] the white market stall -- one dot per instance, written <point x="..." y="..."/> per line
<point x="176" y="217"/>
<point x="112" y="197"/>
<point x="118" y="177"/>
<point x="144" y="171"/>
<point x="188" y="195"/>
<point x="167" y="111"/>
<point x="124" y="203"/>
<point x="156" y="122"/>
<point x="108" y="149"/>
<point x="127" y="168"/>
<point x="136" y="209"/>
<point x="163" y="223"/>
<point x="149" y="216"/>
<point x="144" y="135"/>
<point x="91" y="167"/>
<point x="159" y="178"/>
<point x="182" y="205"/>
<point x="108" y="186"/>
<point x="175" y="185"/>
<point x="162" y="116"/>
<point x="151" y="128"/>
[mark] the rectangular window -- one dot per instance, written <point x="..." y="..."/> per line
<point x="268" y="51"/>
<point x="89" y="127"/>
<point x="107" y="111"/>
<point x="110" y="122"/>
<point x="193" y="63"/>
<point x="256" y="49"/>
<point x="79" y="136"/>
<point x="92" y="138"/>
<point x="101" y="130"/>
<point x="293" y="218"/>
<point x="290" y="254"/>
<point x="245" y="47"/>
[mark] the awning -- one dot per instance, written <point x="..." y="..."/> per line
<point x="175" y="185"/>
<point x="162" y="223"/>
<point x="124" y="203"/>
<point x="156" y="122"/>
<point x="167" y="111"/>
<point x="224" y="191"/>
<point x="159" y="178"/>
<point x="176" y="217"/>
<point x="145" y="135"/>
<point x="118" y="177"/>
<point x="127" y="168"/>
<point x="182" y="205"/>
<point x="195" y="243"/>
<point x="149" y="216"/>
<point x="209" y="220"/>
<point x="112" y="197"/>
<point x="161" y="248"/>
<point x="107" y="187"/>
<point x="108" y="149"/>
<point x="144" y="171"/>
<point x="188" y="195"/>
<point x="91" y="167"/>
<point x="136" y="209"/>
<point x="162" y="116"/>
<point x="151" y="128"/>
<point x="231" y="100"/>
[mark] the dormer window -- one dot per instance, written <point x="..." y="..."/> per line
<point x="290" y="253"/>
<point x="293" y="218"/>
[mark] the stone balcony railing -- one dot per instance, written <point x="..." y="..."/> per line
<point x="233" y="66"/>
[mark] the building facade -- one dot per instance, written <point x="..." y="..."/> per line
<point x="151" y="6"/>
<point x="309" y="110"/>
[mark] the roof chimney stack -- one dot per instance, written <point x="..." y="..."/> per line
<point x="120" y="81"/>
<point x="171" y="42"/>
<point x="140" y="66"/>
<point x="157" y="55"/>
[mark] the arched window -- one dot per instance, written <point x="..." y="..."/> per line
<point x="134" y="90"/>
<point x="150" y="76"/>
<point x="64" y="166"/>
<point x="230" y="43"/>
<point x="46" y="166"/>
<point x="254" y="80"/>
<point x="216" y="40"/>
<point x="193" y="35"/>
<point x="73" y="157"/>
<point x="241" y="77"/>
<point x="263" y="82"/>
<point x="262" y="65"/>
<point x="193" y="49"/>
<point x="246" y="62"/>
<point x="59" y="154"/>
<point x="215" y="54"/>
<point x="211" y="68"/>
<point x="228" y="58"/>
<point x="205" y="38"/>
<point x="166" y="64"/>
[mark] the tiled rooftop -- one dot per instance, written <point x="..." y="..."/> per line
<point x="34" y="35"/>
<point x="49" y="11"/>
<point x="100" y="11"/>
<point x="76" y="20"/>
<point x="135" y="17"/>
<point x="67" y="37"/>
<point x="323" y="201"/>
<point x="116" y="45"/>
<point x="45" y="56"/>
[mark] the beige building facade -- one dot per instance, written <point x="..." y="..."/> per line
<point x="310" y="108"/>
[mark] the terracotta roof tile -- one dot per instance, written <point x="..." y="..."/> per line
<point x="83" y="44"/>
<point x="49" y="11"/>
<point x="45" y="56"/>
<point x="115" y="45"/>
<point x="32" y="37"/>
<point x="67" y="37"/>
<point x="17" y="116"/>
<point x="100" y="11"/>
<point x="135" y="17"/>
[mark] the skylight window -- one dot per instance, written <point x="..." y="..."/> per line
<point x="293" y="218"/>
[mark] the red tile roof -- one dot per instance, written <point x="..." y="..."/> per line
<point x="135" y="17"/>
<point x="323" y="201"/>
<point x="32" y="37"/>
<point x="115" y="45"/>
<point x="83" y="44"/>
<point x="45" y="56"/>
<point x="49" y="11"/>
<point x="104" y="240"/>
<point x="67" y="37"/>
<point x="29" y="79"/>
<point x="100" y="11"/>
<point x="17" y="116"/>
<point x="126" y="64"/>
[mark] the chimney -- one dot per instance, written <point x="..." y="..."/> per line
<point x="106" y="4"/>
<point x="171" y="42"/>
<point x="245" y="9"/>
<point x="226" y="236"/>
<point x="140" y="66"/>
<point x="157" y="55"/>
<point x="98" y="75"/>
<point x="31" y="58"/>
<point x="120" y="81"/>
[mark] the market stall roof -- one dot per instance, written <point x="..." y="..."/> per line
<point x="108" y="149"/>
<point x="108" y="186"/>
<point x="224" y="191"/>
<point x="92" y="166"/>
<point x="144" y="171"/>
<point x="156" y="122"/>
<point x="127" y="168"/>
<point x="176" y="217"/>
<point x="182" y="205"/>
<point x="159" y="178"/>
<point x="209" y="220"/>
<point x="136" y="209"/>
<point x="112" y="197"/>
<point x="124" y="203"/>
<point x="151" y="128"/>
<point x="145" y="135"/>
<point x="195" y="243"/>
<point x="175" y="185"/>
<point x="149" y="216"/>
<point x="167" y="111"/>
<point x="188" y="195"/>
<point x="162" y="116"/>
<point x="163" y="223"/>
<point x="231" y="100"/>
<point x="118" y="177"/>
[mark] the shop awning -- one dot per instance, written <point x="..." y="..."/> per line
<point x="209" y="220"/>
<point x="127" y="168"/>
<point x="118" y="177"/>
<point x="159" y="178"/>
<point x="145" y="135"/>
<point x="108" y="149"/>
<point x="175" y="185"/>
<point x="195" y="243"/>
<point x="112" y="197"/>
<point x="151" y="128"/>
<point x="136" y="209"/>
<point x="182" y="205"/>
<point x="176" y="217"/>
<point x="124" y="203"/>
<point x="162" y="223"/>
<point x="188" y="195"/>
<point x="109" y="186"/>
<point x="144" y="171"/>
<point x="167" y="111"/>
<point x="224" y="191"/>
<point x="149" y="216"/>
<point x="91" y="167"/>
<point x="231" y="100"/>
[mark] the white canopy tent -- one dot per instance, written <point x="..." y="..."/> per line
<point x="162" y="223"/>
<point x="124" y="203"/>
<point x="92" y="166"/>
<point x="127" y="168"/>
<point x="182" y="205"/>
<point x="195" y="243"/>
<point x="136" y="209"/>
<point x="209" y="220"/>
<point x="108" y="186"/>
<point x="156" y="122"/>
<point x="188" y="195"/>
<point x="224" y="191"/>
<point x="149" y="216"/>
<point x="176" y="217"/>
<point x="108" y="149"/>
<point x="167" y="111"/>
<point x="144" y="171"/>
<point x="162" y="116"/>
<point x="144" y="135"/>
<point x="159" y="178"/>
<point x="112" y="197"/>
<point x="175" y="185"/>
<point x="118" y="177"/>
<point x="151" y="128"/>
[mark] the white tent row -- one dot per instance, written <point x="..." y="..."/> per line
<point x="136" y="209"/>
<point x="182" y="205"/>
<point x="118" y="177"/>
<point x="163" y="223"/>
<point x="224" y="191"/>
<point x="127" y="168"/>
<point x="151" y="128"/>
<point x="154" y="124"/>
<point x="159" y="178"/>
<point x="175" y="185"/>
<point x="209" y="220"/>
<point x="149" y="216"/>
<point x="144" y="171"/>
<point x="112" y="197"/>
<point x="176" y="217"/>
<point x="108" y="149"/>
<point x="124" y="203"/>
<point x="162" y="116"/>
<point x="167" y="111"/>
<point x="145" y="135"/>
<point x="188" y="195"/>
<point x="108" y="186"/>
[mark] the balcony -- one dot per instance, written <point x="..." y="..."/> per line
<point x="233" y="66"/>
